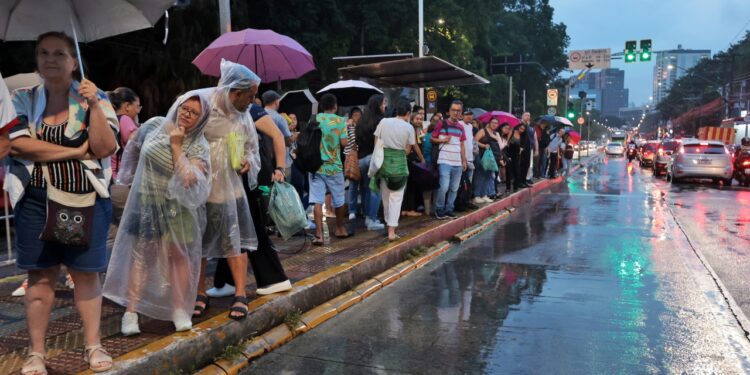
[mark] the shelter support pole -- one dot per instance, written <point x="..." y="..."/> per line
<point x="225" y="17"/>
<point x="420" y="100"/>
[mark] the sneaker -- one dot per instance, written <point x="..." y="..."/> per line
<point x="129" y="324"/>
<point x="440" y="216"/>
<point x="274" y="288"/>
<point x="310" y="225"/>
<point x="374" y="224"/>
<point x="479" y="200"/>
<point x="352" y="216"/>
<point x="487" y="199"/>
<point x="21" y="290"/>
<point x="181" y="321"/>
<point x="225" y="291"/>
<point x="69" y="282"/>
<point x="450" y="215"/>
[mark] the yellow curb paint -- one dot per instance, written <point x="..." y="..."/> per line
<point x="345" y="300"/>
<point x="211" y="369"/>
<point x="255" y="348"/>
<point x="387" y="277"/>
<point x="318" y="315"/>
<point x="277" y="336"/>
<point x="300" y="328"/>
<point x="232" y="365"/>
<point x="405" y="267"/>
<point x="368" y="287"/>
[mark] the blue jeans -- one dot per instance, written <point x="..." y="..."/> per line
<point x="483" y="180"/>
<point x="370" y="200"/>
<point x="450" y="179"/>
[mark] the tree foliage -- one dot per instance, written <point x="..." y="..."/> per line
<point x="472" y="32"/>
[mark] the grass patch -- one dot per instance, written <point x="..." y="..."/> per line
<point x="293" y="318"/>
<point x="415" y="253"/>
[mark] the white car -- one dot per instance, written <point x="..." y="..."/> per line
<point x="614" y="148"/>
<point x="702" y="160"/>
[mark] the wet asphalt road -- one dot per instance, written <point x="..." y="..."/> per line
<point x="594" y="277"/>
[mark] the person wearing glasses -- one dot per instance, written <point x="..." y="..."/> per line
<point x="157" y="252"/>
<point x="449" y="138"/>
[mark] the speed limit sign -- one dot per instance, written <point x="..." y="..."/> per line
<point x="580" y="121"/>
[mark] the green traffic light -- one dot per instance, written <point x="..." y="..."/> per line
<point x="571" y="115"/>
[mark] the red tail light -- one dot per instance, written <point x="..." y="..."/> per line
<point x="746" y="163"/>
<point x="661" y="152"/>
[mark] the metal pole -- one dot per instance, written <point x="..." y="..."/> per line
<point x="524" y="100"/>
<point x="225" y="17"/>
<point x="421" y="46"/>
<point x="510" y="95"/>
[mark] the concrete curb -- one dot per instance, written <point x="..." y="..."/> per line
<point x="321" y="296"/>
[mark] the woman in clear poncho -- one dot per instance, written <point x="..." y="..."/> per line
<point x="156" y="256"/>
<point x="233" y="140"/>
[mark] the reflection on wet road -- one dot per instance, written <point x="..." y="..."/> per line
<point x="595" y="277"/>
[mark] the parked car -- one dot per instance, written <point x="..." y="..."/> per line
<point x="663" y="155"/>
<point x="614" y="148"/>
<point x="702" y="160"/>
<point x="647" y="155"/>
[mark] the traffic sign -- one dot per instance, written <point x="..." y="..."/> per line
<point x="432" y="96"/>
<point x="597" y="58"/>
<point x="552" y="111"/>
<point x="580" y="121"/>
<point x="551" y="97"/>
<point x="589" y="105"/>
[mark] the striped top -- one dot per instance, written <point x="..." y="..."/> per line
<point x="450" y="153"/>
<point x="66" y="175"/>
<point x="351" y="139"/>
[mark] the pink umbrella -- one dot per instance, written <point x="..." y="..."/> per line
<point x="574" y="137"/>
<point x="500" y="116"/>
<point x="274" y="57"/>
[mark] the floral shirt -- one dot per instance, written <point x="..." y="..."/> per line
<point x="333" y="129"/>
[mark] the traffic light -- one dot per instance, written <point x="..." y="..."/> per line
<point x="646" y="50"/>
<point x="630" y="47"/>
<point x="571" y="113"/>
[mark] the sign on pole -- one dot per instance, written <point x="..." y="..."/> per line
<point x="596" y="58"/>
<point x="551" y="97"/>
<point x="432" y="97"/>
<point x="580" y="121"/>
<point x="551" y="111"/>
<point x="589" y="105"/>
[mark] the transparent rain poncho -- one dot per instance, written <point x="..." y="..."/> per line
<point x="155" y="264"/>
<point x="233" y="139"/>
<point x="132" y="151"/>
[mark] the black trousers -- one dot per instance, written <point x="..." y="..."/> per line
<point x="552" y="165"/>
<point x="265" y="261"/>
<point x="513" y="173"/>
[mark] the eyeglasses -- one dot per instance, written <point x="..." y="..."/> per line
<point x="188" y="111"/>
<point x="455" y="110"/>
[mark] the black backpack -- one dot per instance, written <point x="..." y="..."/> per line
<point x="308" y="148"/>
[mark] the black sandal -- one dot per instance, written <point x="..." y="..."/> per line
<point x="198" y="309"/>
<point x="240" y="309"/>
<point x="317" y="241"/>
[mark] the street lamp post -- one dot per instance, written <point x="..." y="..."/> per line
<point x="421" y="46"/>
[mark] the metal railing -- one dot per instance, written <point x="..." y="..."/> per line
<point x="7" y="217"/>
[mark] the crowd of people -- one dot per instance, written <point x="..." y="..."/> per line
<point x="190" y="186"/>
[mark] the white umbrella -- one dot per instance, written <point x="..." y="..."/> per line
<point x="93" y="19"/>
<point x="22" y="80"/>
<point x="351" y="92"/>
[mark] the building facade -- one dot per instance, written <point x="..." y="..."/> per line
<point x="671" y="65"/>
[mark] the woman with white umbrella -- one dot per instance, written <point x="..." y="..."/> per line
<point x="62" y="122"/>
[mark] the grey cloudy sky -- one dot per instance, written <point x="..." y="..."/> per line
<point x="696" y="24"/>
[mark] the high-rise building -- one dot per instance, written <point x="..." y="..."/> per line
<point x="671" y="65"/>
<point x="608" y="89"/>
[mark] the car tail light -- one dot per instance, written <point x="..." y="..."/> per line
<point x="746" y="163"/>
<point x="661" y="152"/>
<point x="682" y="149"/>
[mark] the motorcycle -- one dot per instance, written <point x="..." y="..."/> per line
<point x="742" y="168"/>
<point x="632" y="153"/>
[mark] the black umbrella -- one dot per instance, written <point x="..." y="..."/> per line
<point x="555" y="122"/>
<point x="301" y="102"/>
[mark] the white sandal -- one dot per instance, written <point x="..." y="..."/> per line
<point x="31" y="367"/>
<point x="104" y="364"/>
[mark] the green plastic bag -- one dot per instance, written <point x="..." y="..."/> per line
<point x="488" y="161"/>
<point x="236" y="149"/>
<point x="285" y="209"/>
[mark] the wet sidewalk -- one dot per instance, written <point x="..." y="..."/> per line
<point x="327" y="271"/>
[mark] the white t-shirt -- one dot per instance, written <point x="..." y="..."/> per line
<point x="7" y="110"/>
<point x="395" y="133"/>
<point x="469" y="142"/>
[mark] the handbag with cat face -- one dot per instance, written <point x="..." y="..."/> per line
<point x="70" y="216"/>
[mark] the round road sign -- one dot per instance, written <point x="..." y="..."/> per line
<point x="580" y="121"/>
<point x="551" y="111"/>
<point x="432" y="96"/>
<point x="575" y="57"/>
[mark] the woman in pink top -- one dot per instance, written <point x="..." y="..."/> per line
<point x="127" y="105"/>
